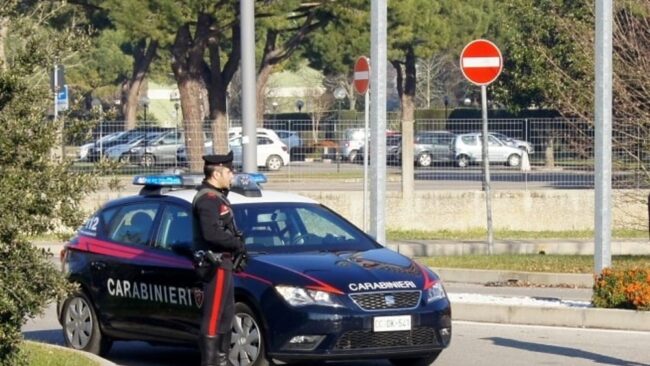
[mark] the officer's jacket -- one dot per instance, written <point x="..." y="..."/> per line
<point x="214" y="223"/>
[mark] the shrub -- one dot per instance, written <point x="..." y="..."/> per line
<point x="624" y="289"/>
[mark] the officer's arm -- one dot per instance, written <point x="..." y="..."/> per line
<point x="213" y="228"/>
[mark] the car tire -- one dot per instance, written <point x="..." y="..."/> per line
<point x="420" y="361"/>
<point x="125" y="159"/>
<point x="247" y="327"/>
<point x="274" y="162"/>
<point x="425" y="160"/>
<point x="514" y="160"/>
<point x="148" y="161"/>
<point x="463" y="161"/>
<point x="81" y="329"/>
<point x="354" y="155"/>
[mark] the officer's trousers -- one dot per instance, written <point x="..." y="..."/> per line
<point x="218" y="303"/>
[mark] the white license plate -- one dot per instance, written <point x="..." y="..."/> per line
<point x="392" y="323"/>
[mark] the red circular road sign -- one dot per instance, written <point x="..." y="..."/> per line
<point x="362" y="75"/>
<point x="481" y="62"/>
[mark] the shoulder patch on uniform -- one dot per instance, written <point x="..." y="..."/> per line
<point x="223" y="209"/>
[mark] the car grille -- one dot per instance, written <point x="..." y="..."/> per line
<point x="387" y="300"/>
<point x="363" y="339"/>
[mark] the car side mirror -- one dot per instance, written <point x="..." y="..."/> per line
<point x="183" y="249"/>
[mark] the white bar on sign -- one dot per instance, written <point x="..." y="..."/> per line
<point x="361" y="75"/>
<point x="481" y="62"/>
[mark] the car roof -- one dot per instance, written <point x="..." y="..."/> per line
<point x="236" y="198"/>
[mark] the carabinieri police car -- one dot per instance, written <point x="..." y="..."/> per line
<point x="315" y="288"/>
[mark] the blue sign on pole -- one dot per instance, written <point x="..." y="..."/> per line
<point x="62" y="100"/>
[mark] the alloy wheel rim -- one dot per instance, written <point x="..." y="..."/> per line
<point x="246" y="341"/>
<point x="274" y="164"/>
<point x="78" y="323"/>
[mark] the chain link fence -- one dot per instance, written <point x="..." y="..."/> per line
<point x="524" y="153"/>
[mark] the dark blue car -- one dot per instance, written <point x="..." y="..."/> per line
<point x="316" y="287"/>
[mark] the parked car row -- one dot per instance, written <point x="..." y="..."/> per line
<point x="444" y="147"/>
<point x="166" y="146"/>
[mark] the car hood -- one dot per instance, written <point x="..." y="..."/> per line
<point x="344" y="272"/>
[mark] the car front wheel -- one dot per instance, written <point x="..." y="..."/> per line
<point x="423" y="361"/>
<point x="514" y="160"/>
<point x="463" y="161"/>
<point x="81" y="327"/>
<point x="247" y="342"/>
<point x="425" y="160"/>
<point x="274" y="162"/>
<point x="148" y="160"/>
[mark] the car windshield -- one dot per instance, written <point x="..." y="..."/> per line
<point x="297" y="227"/>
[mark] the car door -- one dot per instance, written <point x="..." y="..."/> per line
<point x="441" y="145"/>
<point x="166" y="150"/>
<point x="177" y="297"/>
<point x="122" y="298"/>
<point x="496" y="150"/>
<point x="265" y="148"/>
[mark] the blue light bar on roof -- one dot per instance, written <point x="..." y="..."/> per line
<point x="158" y="180"/>
<point x="257" y="177"/>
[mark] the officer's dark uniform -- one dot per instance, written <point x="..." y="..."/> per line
<point x="215" y="230"/>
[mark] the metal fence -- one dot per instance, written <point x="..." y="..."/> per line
<point x="558" y="152"/>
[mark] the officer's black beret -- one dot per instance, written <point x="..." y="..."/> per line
<point x="222" y="160"/>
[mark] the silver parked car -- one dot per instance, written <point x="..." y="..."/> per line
<point x="524" y="145"/>
<point x="467" y="149"/>
<point x="433" y="146"/>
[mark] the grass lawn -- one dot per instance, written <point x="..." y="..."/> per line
<point x="534" y="262"/>
<point x="40" y="355"/>
<point x="481" y="234"/>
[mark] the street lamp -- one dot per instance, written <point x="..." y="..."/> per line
<point x="299" y="105"/>
<point x="275" y="113"/>
<point x="144" y="102"/>
<point x="339" y="95"/>
<point x="446" y="101"/>
<point x="96" y="105"/>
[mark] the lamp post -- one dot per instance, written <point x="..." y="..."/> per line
<point x="299" y="105"/>
<point x="446" y="101"/>
<point x="96" y="105"/>
<point x="339" y="94"/>
<point x="275" y="111"/>
<point x="144" y="101"/>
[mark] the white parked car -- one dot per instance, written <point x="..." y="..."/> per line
<point x="467" y="149"/>
<point x="271" y="152"/>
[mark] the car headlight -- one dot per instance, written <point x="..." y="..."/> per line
<point x="435" y="292"/>
<point x="298" y="296"/>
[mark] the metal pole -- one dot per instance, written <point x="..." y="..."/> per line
<point x="378" y="55"/>
<point x="56" y="92"/>
<point x="603" y="124"/>
<point x="249" y="103"/>
<point x="486" y="172"/>
<point x="365" y="163"/>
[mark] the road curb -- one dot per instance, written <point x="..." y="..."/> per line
<point x="617" y="319"/>
<point x="485" y="276"/>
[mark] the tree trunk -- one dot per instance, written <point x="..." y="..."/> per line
<point x="218" y="81"/>
<point x="4" y="30"/>
<point x="549" y="154"/>
<point x="262" y="80"/>
<point x="143" y="55"/>
<point x="406" y="91"/>
<point x="189" y="69"/>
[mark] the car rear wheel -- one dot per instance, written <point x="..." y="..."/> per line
<point x="514" y="160"/>
<point x="125" y="158"/>
<point x="81" y="327"/>
<point x="425" y="160"/>
<point x="463" y="161"/>
<point x="354" y="155"/>
<point x="274" y="162"/>
<point x="247" y="339"/>
<point x="420" y="361"/>
<point x="148" y="160"/>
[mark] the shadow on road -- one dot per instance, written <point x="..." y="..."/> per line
<point x="563" y="351"/>
<point x="51" y="336"/>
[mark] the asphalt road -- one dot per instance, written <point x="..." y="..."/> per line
<point x="472" y="344"/>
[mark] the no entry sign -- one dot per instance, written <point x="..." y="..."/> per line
<point x="362" y="75"/>
<point x="481" y="62"/>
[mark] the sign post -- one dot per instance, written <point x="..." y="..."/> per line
<point x="361" y="85"/>
<point x="481" y="64"/>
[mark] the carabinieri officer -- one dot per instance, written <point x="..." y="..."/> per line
<point x="215" y="231"/>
